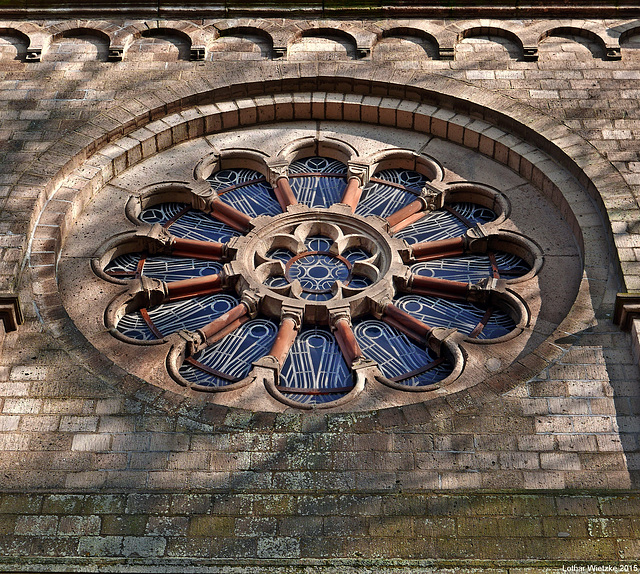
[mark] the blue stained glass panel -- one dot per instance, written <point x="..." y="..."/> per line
<point x="189" y="314"/>
<point x="253" y="199"/>
<point x="232" y="356"/>
<point x="383" y="199"/>
<point x="360" y="282"/>
<point x="317" y="164"/>
<point x="442" y="224"/>
<point x="317" y="272"/>
<point x="280" y="254"/>
<point x="461" y="315"/>
<point x="318" y="243"/>
<point x="315" y="363"/>
<point x="353" y="254"/>
<point x="134" y="326"/>
<point x="164" y="268"/>
<point x="193" y="224"/>
<point x="397" y="356"/>
<point x="316" y="296"/>
<point x="161" y="213"/>
<point x="126" y="264"/>
<point x="474" y="213"/>
<point x="315" y="191"/>
<point x="472" y="268"/>
<point x="318" y="192"/>
<point x="404" y="177"/>
<point x="227" y="178"/>
<point x="276" y="281"/>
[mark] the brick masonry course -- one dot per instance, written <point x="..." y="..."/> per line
<point x="463" y="528"/>
<point x="539" y="477"/>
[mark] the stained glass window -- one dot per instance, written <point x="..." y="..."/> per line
<point x="400" y="359"/>
<point x="309" y="262"/>
<point x="389" y="191"/>
<point x="189" y="314"/>
<point x="315" y="370"/>
<point x="230" y="359"/>
<point x="246" y="190"/>
<point x="319" y="268"/>
<point x="159" y="267"/>
<point x="318" y="181"/>
<point x="482" y="322"/>
<point x="473" y="268"/>
<point x="183" y="221"/>
<point x="452" y="221"/>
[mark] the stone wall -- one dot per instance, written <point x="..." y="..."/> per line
<point x="322" y="532"/>
<point x="102" y="470"/>
<point x="34" y="9"/>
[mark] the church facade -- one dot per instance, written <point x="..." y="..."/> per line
<point x="319" y="290"/>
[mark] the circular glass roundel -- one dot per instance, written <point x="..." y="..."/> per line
<point x="318" y="271"/>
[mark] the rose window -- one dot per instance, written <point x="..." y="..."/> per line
<point x="319" y="280"/>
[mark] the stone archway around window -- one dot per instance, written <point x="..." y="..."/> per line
<point x="440" y="268"/>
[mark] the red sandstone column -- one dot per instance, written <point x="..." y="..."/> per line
<point x="207" y="250"/>
<point x="347" y="340"/>
<point x="284" y="193"/>
<point x="438" y="249"/>
<point x="352" y="194"/>
<point x="409" y="325"/>
<point x="286" y="336"/>
<point x="230" y="215"/>
<point x="414" y="208"/>
<point x="441" y="287"/>
<point x="207" y="285"/>
<point x="226" y="323"/>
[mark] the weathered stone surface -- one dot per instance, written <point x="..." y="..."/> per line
<point x="127" y="473"/>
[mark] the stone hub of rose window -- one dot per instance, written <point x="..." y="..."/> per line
<point x="317" y="260"/>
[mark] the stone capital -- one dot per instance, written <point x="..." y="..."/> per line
<point x="481" y="291"/>
<point x="359" y="170"/>
<point x="202" y="195"/>
<point x="476" y="239"/>
<point x="433" y="198"/>
<point x="151" y="291"/>
<point x="193" y="341"/>
<point x="339" y="313"/>
<point x="159" y="239"/>
<point x="251" y="300"/>
<point x="294" y="314"/>
<point x="277" y="168"/>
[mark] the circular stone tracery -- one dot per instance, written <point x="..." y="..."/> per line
<point x="330" y="298"/>
<point x="316" y="259"/>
